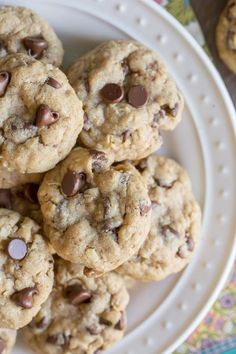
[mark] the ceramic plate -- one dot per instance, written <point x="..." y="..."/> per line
<point x="161" y="315"/>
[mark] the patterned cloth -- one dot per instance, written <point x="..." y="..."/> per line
<point x="217" y="332"/>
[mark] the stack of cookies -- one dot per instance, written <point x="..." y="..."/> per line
<point x="86" y="207"/>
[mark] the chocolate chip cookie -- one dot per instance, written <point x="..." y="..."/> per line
<point x="95" y="214"/>
<point x="9" y="179"/>
<point x="175" y="224"/>
<point x="26" y="275"/>
<point x="23" y="31"/>
<point x="226" y="35"/>
<point x="128" y="99"/>
<point x="40" y="115"/>
<point x="22" y="199"/>
<point x="7" y="340"/>
<point x="82" y="315"/>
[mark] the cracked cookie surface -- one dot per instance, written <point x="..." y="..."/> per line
<point x="82" y="315"/>
<point x="26" y="273"/>
<point x="128" y="98"/>
<point x="7" y="340"/>
<point x="93" y="213"/>
<point x="226" y="35"/>
<point x="175" y="225"/>
<point x="23" y="31"/>
<point x="39" y="121"/>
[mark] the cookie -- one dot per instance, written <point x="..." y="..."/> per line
<point x="82" y="315"/>
<point x="41" y="116"/>
<point x="22" y="199"/>
<point x="23" y="31"/>
<point x="7" y="340"/>
<point x="175" y="225"/>
<point x="26" y="276"/>
<point x="9" y="179"/>
<point x="95" y="214"/>
<point x="226" y="35"/>
<point x="128" y="98"/>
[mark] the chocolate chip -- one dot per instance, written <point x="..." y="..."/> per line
<point x="126" y="135"/>
<point x="3" y="345"/>
<point x="169" y="233"/>
<point x="163" y="184"/>
<point x="5" y="78"/>
<point x="172" y="111"/>
<point x="77" y="295"/>
<point x="87" y="122"/>
<point x="59" y="339"/>
<point x="144" y="209"/>
<point x="180" y="253"/>
<point x="190" y="244"/>
<point x="137" y="96"/>
<point x="2" y="46"/>
<point x="159" y="115"/>
<point x="44" y="116"/>
<point x="52" y="82"/>
<point x="42" y="324"/>
<point x="99" y="158"/>
<point x="17" y="249"/>
<point x="112" y="93"/>
<point x="5" y="198"/>
<point x="121" y="324"/>
<point x="72" y="183"/>
<point x="24" y="298"/>
<point x="94" y="329"/>
<point x="114" y="231"/>
<point x="31" y="192"/>
<point x="35" y="46"/>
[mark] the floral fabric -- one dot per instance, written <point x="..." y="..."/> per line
<point x="217" y="332"/>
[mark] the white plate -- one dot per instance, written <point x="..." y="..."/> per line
<point x="162" y="315"/>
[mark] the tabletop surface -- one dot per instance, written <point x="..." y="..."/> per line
<point x="208" y="12"/>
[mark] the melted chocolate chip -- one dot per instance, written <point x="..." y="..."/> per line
<point x="159" y="115"/>
<point x="137" y="96"/>
<point x="126" y="135"/>
<point x="112" y="93"/>
<point x="35" y="46"/>
<point x="144" y="209"/>
<point x="99" y="160"/>
<point x="24" y="298"/>
<point x="17" y="249"/>
<point x="190" y="244"/>
<point x="94" y="329"/>
<point x="169" y="233"/>
<point x="73" y="182"/>
<point x="5" y="78"/>
<point x="5" y="198"/>
<point x="77" y="295"/>
<point x="121" y="324"/>
<point x="31" y="192"/>
<point x="3" y="345"/>
<point x="52" y="82"/>
<point x="172" y="111"/>
<point x="163" y="184"/>
<point x="44" y="116"/>
<point x="59" y="339"/>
